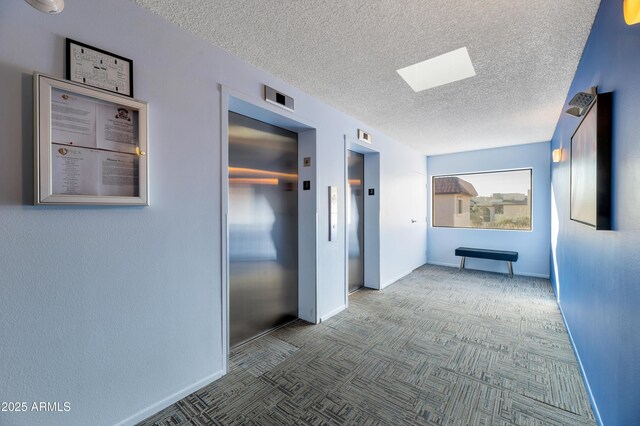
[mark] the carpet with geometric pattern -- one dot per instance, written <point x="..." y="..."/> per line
<point x="438" y="347"/>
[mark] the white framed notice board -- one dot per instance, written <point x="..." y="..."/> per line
<point x="91" y="146"/>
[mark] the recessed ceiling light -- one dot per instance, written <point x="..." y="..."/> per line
<point x="447" y="68"/>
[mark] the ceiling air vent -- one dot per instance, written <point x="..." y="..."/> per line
<point x="364" y="136"/>
<point x="271" y="95"/>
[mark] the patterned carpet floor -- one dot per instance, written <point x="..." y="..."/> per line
<point x="438" y="347"/>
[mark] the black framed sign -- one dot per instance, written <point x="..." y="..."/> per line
<point x="590" y="202"/>
<point x="98" y="68"/>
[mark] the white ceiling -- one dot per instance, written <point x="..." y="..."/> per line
<point x="346" y="53"/>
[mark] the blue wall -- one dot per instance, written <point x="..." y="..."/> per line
<point x="532" y="246"/>
<point x="596" y="274"/>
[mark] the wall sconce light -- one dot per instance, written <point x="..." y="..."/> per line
<point x="631" y="11"/>
<point x="47" y="6"/>
<point x="556" y="154"/>
<point x="581" y="102"/>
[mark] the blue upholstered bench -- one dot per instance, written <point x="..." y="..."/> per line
<point x="508" y="256"/>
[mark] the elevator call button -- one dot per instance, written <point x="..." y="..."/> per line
<point x="333" y="213"/>
<point x="306" y="185"/>
<point x="372" y="191"/>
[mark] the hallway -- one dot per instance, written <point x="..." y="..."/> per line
<point x="439" y="346"/>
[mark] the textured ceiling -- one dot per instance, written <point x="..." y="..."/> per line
<point x="347" y="52"/>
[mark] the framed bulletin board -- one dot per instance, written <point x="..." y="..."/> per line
<point x="90" y="145"/>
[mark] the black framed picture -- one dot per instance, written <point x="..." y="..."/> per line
<point x="590" y="202"/>
<point x="99" y="68"/>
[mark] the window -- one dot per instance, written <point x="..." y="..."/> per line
<point x="488" y="200"/>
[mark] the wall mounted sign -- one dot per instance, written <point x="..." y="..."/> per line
<point x="590" y="201"/>
<point x="364" y="136"/>
<point x="272" y="96"/>
<point x="98" y="68"/>
<point x="91" y="145"/>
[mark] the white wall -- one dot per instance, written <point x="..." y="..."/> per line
<point x="532" y="246"/>
<point x="403" y="245"/>
<point x="117" y="310"/>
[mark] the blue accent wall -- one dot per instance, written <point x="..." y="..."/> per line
<point x="532" y="246"/>
<point x="596" y="274"/>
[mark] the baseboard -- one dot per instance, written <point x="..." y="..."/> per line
<point x="332" y="313"/>
<point x="450" y="265"/>
<point x="396" y="278"/>
<point x="524" y="274"/>
<point x="164" y="403"/>
<point x="592" y="400"/>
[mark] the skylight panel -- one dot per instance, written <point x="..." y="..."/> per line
<point x="444" y="69"/>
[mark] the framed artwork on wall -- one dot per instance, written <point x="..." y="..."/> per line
<point x="99" y="68"/>
<point x="90" y="145"/>
<point x="590" y="202"/>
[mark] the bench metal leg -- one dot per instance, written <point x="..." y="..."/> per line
<point x="462" y="262"/>
<point x="510" y="270"/>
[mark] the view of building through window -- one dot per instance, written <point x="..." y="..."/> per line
<point x="490" y="200"/>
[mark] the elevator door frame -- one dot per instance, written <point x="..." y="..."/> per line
<point x="371" y="214"/>
<point x="258" y="109"/>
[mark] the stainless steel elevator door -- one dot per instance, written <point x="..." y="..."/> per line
<point x="263" y="227"/>
<point x="355" y="219"/>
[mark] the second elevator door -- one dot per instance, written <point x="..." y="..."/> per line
<point x="263" y="227"/>
<point x="355" y="219"/>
